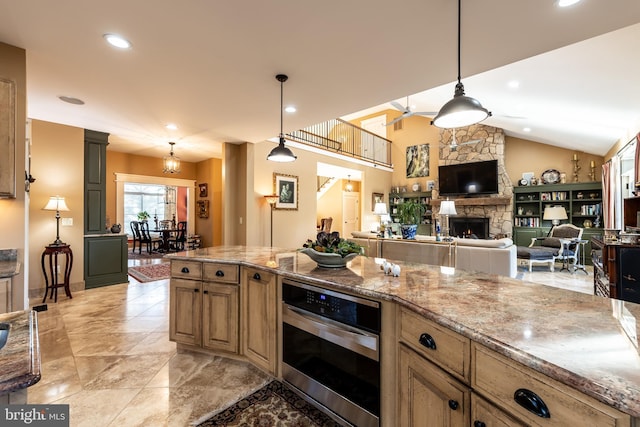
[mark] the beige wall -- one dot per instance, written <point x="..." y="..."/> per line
<point x="57" y="163"/>
<point x="15" y="215"/>
<point x="522" y="155"/>
<point x="210" y="229"/>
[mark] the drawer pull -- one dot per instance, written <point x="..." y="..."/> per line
<point x="453" y="404"/>
<point x="205" y="292"/>
<point x="185" y="270"/>
<point x="196" y="290"/>
<point x="531" y="402"/>
<point x="428" y="341"/>
<point x="257" y="276"/>
<point x="220" y="273"/>
<point x="477" y="423"/>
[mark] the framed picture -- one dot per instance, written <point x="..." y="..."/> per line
<point x="203" y="208"/>
<point x="418" y="161"/>
<point x="287" y="261"/>
<point x="204" y="189"/>
<point x="376" y="198"/>
<point x="286" y="187"/>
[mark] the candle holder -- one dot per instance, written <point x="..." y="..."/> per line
<point x="576" y="168"/>
<point x="592" y="174"/>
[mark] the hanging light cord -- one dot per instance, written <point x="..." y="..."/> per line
<point x="281" y="106"/>
<point x="459" y="26"/>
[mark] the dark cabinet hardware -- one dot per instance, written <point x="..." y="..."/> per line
<point x="256" y="276"/>
<point x="531" y="402"/>
<point x="220" y="273"/>
<point x="196" y="290"/>
<point x="185" y="270"/>
<point x="477" y="423"/>
<point x="453" y="404"/>
<point x="428" y="341"/>
<point x="205" y="292"/>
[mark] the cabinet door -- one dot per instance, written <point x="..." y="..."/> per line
<point x="484" y="414"/>
<point x="185" y="312"/>
<point x="259" y="340"/>
<point x="428" y="396"/>
<point x="522" y="235"/>
<point x="220" y="317"/>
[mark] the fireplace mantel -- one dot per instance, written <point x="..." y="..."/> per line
<point x="477" y="201"/>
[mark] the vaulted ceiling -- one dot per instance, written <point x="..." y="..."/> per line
<point x="210" y="66"/>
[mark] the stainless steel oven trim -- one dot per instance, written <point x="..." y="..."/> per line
<point x="347" y="297"/>
<point x="328" y="398"/>
<point x="356" y="340"/>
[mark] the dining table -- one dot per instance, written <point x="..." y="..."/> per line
<point x="165" y="234"/>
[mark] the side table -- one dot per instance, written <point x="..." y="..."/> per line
<point x="51" y="281"/>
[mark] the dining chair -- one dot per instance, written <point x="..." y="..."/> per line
<point x="153" y="243"/>
<point x="178" y="242"/>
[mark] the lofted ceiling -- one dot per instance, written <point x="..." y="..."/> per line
<point x="210" y="66"/>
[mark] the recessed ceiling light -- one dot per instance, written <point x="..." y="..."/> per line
<point x="566" y="3"/>
<point x="71" y="100"/>
<point x="526" y="129"/>
<point x="117" y="41"/>
<point x="171" y="126"/>
<point x="290" y="109"/>
<point x="514" y="84"/>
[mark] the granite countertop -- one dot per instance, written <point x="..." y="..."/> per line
<point x="584" y="341"/>
<point x="9" y="264"/>
<point x="20" y="367"/>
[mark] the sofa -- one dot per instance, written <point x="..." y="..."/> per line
<point x="486" y="256"/>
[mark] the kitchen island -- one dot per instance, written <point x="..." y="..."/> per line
<point x="564" y="340"/>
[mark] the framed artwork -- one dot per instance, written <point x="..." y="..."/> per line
<point x="204" y="189"/>
<point x="287" y="261"/>
<point x="203" y="208"/>
<point x="286" y="187"/>
<point x="376" y="198"/>
<point x="418" y="161"/>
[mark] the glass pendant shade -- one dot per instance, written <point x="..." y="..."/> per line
<point x="171" y="162"/>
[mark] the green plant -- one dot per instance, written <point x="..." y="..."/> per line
<point x="143" y="216"/>
<point x="333" y="243"/>
<point x="411" y="212"/>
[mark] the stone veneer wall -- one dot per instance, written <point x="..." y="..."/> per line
<point x="490" y="147"/>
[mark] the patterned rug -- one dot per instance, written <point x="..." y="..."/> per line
<point x="272" y="405"/>
<point x="150" y="272"/>
<point x="144" y="255"/>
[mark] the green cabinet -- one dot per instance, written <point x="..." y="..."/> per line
<point x="422" y="197"/>
<point x="581" y="201"/>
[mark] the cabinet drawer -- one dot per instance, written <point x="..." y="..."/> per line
<point x="499" y="378"/>
<point x="223" y="273"/>
<point x="452" y="350"/>
<point x="186" y="269"/>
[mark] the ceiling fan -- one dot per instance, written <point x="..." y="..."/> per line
<point x="406" y="112"/>
<point x="454" y="144"/>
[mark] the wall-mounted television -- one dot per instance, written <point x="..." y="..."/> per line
<point x="468" y="179"/>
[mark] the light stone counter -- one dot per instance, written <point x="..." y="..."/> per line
<point x="575" y="338"/>
<point x="20" y="357"/>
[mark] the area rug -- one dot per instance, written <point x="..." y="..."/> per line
<point x="151" y="272"/>
<point x="145" y="255"/>
<point x="272" y="405"/>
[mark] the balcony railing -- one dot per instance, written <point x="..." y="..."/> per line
<point x="346" y="139"/>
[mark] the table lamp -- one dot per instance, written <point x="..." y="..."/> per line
<point x="555" y="214"/>
<point x="447" y="207"/>
<point x="56" y="203"/>
<point x="380" y="209"/>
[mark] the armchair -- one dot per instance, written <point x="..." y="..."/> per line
<point x="562" y="244"/>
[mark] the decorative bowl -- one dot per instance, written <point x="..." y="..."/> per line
<point x="328" y="260"/>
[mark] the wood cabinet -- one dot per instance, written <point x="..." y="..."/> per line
<point x="259" y="339"/>
<point x="484" y="414"/>
<point x="616" y="270"/>
<point x="204" y="305"/>
<point x="422" y="197"/>
<point x="434" y="374"/>
<point x="582" y="201"/>
<point x="532" y="397"/>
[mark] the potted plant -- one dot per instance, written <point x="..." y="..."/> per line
<point x="143" y="216"/>
<point x="410" y="215"/>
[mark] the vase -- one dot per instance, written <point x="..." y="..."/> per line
<point x="409" y="231"/>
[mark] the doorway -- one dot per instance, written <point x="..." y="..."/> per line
<point x="350" y="213"/>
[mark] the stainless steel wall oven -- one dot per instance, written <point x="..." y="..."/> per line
<point x="331" y="350"/>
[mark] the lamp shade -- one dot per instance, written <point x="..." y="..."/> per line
<point x="554" y="213"/>
<point x="447" y="207"/>
<point x="380" y="209"/>
<point x="56" y="203"/>
<point x="271" y="199"/>
<point x="281" y="153"/>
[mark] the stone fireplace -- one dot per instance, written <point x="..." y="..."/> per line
<point x="469" y="227"/>
<point x="496" y="208"/>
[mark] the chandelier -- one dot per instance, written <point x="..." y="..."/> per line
<point x="171" y="162"/>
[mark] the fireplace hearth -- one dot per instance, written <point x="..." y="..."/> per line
<point x="467" y="227"/>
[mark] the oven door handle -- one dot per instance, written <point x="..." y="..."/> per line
<point x="353" y="339"/>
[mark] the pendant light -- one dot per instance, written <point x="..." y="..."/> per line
<point x="349" y="186"/>
<point x="171" y="162"/>
<point x="281" y="153"/>
<point x="462" y="110"/>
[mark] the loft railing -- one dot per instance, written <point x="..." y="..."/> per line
<point x="344" y="138"/>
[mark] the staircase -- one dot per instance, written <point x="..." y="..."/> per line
<point x="324" y="184"/>
<point x="345" y="139"/>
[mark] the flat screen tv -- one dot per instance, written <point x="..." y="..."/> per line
<point x="468" y="179"/>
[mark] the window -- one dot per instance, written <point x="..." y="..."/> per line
<point x="159" y="201"/>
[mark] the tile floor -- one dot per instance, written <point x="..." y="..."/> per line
<point x="107" y="354"/>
